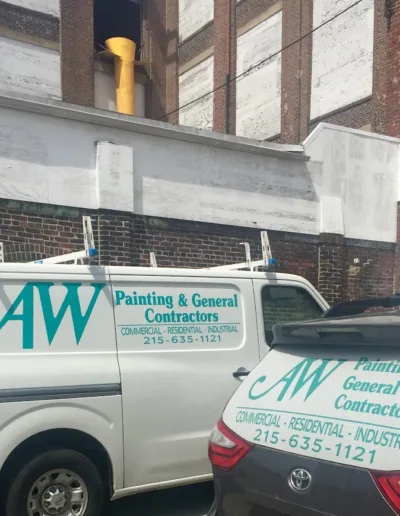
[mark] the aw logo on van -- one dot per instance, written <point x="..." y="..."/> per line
<point x="308" y="376"/>
<point x="22" y="310"/>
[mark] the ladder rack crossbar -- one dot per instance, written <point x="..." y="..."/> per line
<point x="70" y="257"/>
<point x="238" y="266"/>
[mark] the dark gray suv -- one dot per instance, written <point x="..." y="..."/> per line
<point x="315" y="428"/>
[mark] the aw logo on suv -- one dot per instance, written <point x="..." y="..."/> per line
<point x="308" y="375"/>
<point x="22" y="310"/>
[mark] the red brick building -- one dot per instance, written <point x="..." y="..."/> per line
<point x="310" y="60"/>
<point x="300" y="61"/>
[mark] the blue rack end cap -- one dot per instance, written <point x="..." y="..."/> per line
<point x="272" y="261"/>
<point x="38" y="261"/>
<point x="93" y="252"/>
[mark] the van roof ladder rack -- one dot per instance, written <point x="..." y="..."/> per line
<point x="267" y="259"/>
<point x="90" y="251"/>
<point x="78" y="257"/>
<point x="250" y="265"/>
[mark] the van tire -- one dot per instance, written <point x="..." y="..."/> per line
<point x="67" y="460"/>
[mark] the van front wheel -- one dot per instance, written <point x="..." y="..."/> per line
<point x="58" y="483"/>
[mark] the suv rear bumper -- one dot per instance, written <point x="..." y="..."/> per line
<point x="259" y="486"/>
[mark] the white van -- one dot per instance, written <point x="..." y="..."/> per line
<point x="111" y="378"/>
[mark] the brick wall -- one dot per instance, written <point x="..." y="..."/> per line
<point x="31" y="23"/>
<point x="171" y="58"/>
<point x="351" y="269"/>
<point x="225" y="41"/>
<point x="297" y="67"/>
<point x="77" y="51"/>
<point x="340" y="269"/>
<point x="393" y="67"/>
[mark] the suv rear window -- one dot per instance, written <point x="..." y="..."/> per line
<point x="285" y="304"/>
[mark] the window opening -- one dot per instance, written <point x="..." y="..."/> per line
<point x="285" y="304"/>
<point x="117" y="18"/>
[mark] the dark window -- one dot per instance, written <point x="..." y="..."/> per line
<point x="285" y="304"/>
<point x="117" y="18"/>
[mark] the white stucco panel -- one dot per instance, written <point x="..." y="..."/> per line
<point x="342" y="55"/>
<point x="258" y="111"/>
<point x="45" y="6"/>
<point x="53" y="160"/>
<point x="193" y="84"/>
<point x="114" y="167"/>
<point x="356" y="181"/>
<point x="42" y="161"/>
<point x="193" y="15"/>
<point x="29" y="69"/>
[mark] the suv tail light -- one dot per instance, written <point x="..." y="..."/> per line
<point x="225" y="448"/>
<point x="389" y="486"/>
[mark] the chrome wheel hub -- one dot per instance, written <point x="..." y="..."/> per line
<point x="59" y="493"/>
<point x="55" y="499"/>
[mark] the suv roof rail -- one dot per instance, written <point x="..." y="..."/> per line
<point x="361" y="305"/>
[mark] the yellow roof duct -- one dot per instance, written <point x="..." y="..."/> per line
<point x="124" y="51"/>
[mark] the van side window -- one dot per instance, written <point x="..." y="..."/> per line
<point x="285" y="304"/>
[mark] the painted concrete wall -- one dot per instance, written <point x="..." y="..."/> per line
<point x="192" y="85"/>
<point x="104" y="93"/>
<point x="355" y="176"/>
<point x="54" y="160"/>
<point x="349" y="186"/>
<point x="29" y="69"/>
<point x="45" y="6"/>
<point x="258" y="109"/>
<point x="193" y="15"/>
<point x="342" y="55"/>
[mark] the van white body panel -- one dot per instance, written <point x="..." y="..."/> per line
<point x="140" y="359"/>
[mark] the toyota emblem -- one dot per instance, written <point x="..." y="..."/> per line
<point x="300" y="480"/>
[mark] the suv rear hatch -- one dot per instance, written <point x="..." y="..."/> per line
<point x="326" y="398"/>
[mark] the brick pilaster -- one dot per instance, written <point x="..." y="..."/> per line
<point x="392" y="14"/>
<point x="331" y="267"/>
<point x="77" y="51"/>
<point x="396" y="285"/>
<point x="296" y="70"/>
<point x="172" y="67"/>
<point x="154" y="40"/>
<point x="379" y="67"/>
<point x="225" y="45"/>
<point x="115" y="238"/>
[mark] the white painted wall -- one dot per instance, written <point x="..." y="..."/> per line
<point x="29" y="69"/>
<point x="54" y="160"/>
<point x="355" y="175"/>
<point x="342" y="55"/>
<point x="45" y="6"/>
<point x="349" y="186"/>
<point x="258" y="107"/>
<point x="193" y="15"/>
<point x="193" y="84"/>
<point x="104" y="93"/>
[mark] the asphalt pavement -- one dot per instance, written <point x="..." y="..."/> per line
<point x="192" y="500"/>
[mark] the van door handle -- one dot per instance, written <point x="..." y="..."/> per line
<point x="240" y="372"/>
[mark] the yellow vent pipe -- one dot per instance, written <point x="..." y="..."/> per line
<point x="124" y="51"/>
